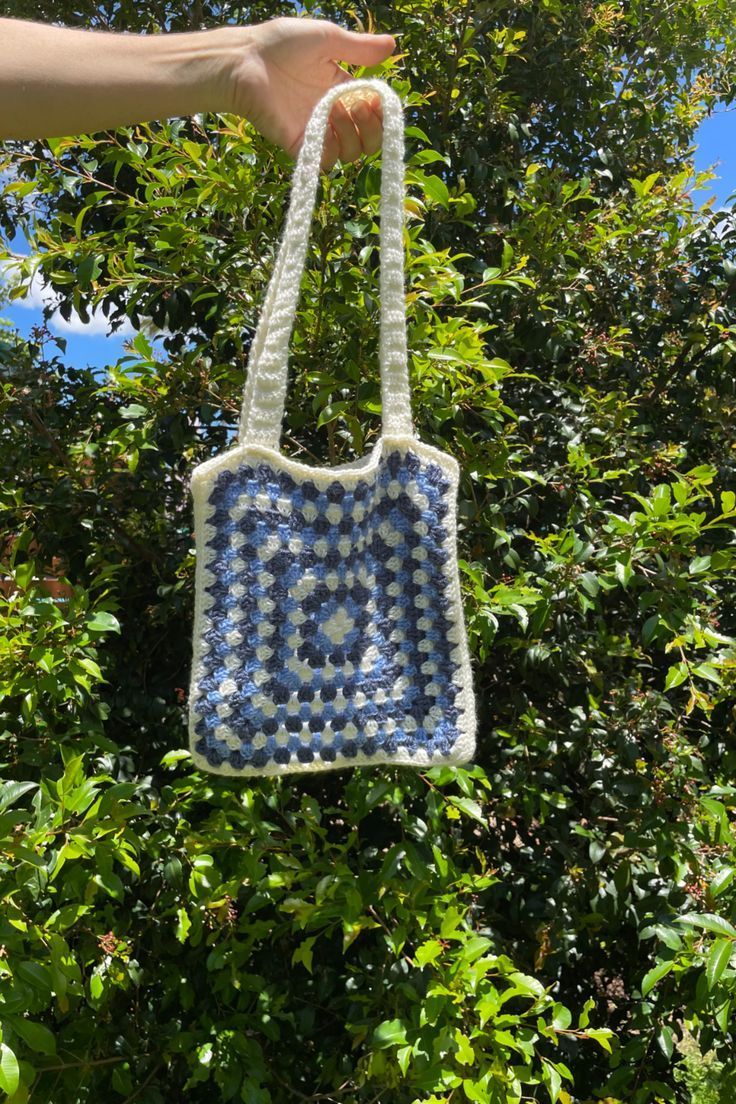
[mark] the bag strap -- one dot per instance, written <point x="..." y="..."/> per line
<point x="265" y="391"/>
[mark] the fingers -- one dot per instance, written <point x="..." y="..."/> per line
<point x="368" y="118"/>
<point x="354" y="130"/>
<point x="350" y="146"/>
<point x="331" y="149"/>
<point x="362" y="49"/>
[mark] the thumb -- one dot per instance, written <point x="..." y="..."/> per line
<point x="362" y="49"/>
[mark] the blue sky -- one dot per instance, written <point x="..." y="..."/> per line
<point x="86" y="345"/>
<point x="90" y="345"/>
<point x="716" y="138"/>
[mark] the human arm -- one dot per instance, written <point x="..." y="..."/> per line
<point x="58" y="81"/>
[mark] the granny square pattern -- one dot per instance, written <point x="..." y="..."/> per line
<point x="330" y="631"/>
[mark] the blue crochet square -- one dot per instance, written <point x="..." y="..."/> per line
<point x="329" y="629"/>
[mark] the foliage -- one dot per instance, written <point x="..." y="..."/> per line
<point x="553" y="922"/>
<point x="702" y="1074"/>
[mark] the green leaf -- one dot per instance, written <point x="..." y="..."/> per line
<point x="623" y="572"/>
<point x="91" y="668"/>
<point x="469" y="807"/>
<point x="413" y="131"/>
<point x="675" y="675"/>
<point x="194" y="149"/>
<point x="205" y="1053"/>
<point x="96" y="987"/>
<point x="666" y="1040"/>
<point x="63" y="918"/>
<point x="88" y="270"/>
<point x="440" y="860"/>
<point x="709" y="672"/>
<point x="584" y="1016"/>
<point x="36" y="974"/>
<point x="718" y="960"/>
<point x="526" y="984"/>
<point x="332" y="412"/>
<point x="552" y="1080"/>
<point x="24" y="574"/>
<point x="303" y="952"/>
<point x="596" y="850"/>
<point x="176" y="755"/>
<point x="703" y="473"/>
<point x="649" y="628"/>
<point x="722" y="880"/>
<point x="643" y="187"/>
<point x="661" y="499"/>
<point x="475" y="947"/>
<point x="9" y="1071"/>
<point x="426" y="157"/>
<point x="428" y="952"/>
<point x="102" y="621"/>
<point x="38" y="1037"/>
<point x="11" y="791"/>
<point x="134" y="410"/>
<point x="403" y="1057"/>
<point x="650" y="181"/>
<point x="110" y="882"/>
<point x="602" y="1036"/>
<point x="709" y="921"/>
<point x="142" y="346"/>
<point x="669" y="936"/>
<point x="655" y="974"/>
<point x="451" y="920"/>
<point x="680" y="491"/>
<point x="389" y="1033"/>
<point x="465" y="1053"/>
<point x="436" y="190"/>
<point x="722" y="1016"/>
<point x="589" y="583"/>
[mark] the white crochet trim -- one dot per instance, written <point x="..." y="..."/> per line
<point x="262" y="416"/>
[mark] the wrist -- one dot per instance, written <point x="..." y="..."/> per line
<point x="212" y="60"/>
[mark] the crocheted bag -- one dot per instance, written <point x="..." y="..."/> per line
<point x="328" y="623"/>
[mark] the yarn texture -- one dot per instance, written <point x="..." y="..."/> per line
<point x="328" y="622"/>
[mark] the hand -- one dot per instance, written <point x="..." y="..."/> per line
<point x="291" y="63"/>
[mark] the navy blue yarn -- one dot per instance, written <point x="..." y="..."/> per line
<point x="315" y="647"/>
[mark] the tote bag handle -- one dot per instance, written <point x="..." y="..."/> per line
<point x="265" y="391"/>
